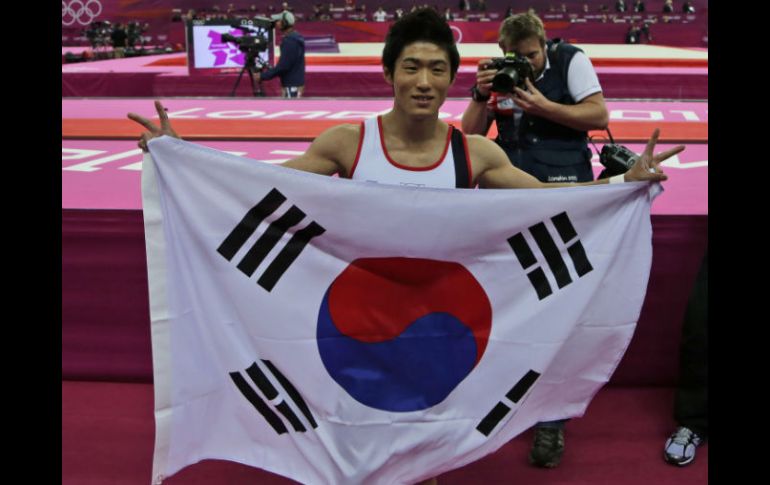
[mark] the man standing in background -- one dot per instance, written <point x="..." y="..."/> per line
<point x="291" y="66"/>
<point x="543" y="130"/>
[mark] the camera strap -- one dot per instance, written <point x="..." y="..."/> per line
<point x="554" y="60"/>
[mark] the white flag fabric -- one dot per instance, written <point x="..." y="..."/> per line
<point x="344" y="332"/>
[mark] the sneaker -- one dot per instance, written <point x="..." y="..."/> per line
<point x="680" y="446"/>
<point x="547" y="447"/>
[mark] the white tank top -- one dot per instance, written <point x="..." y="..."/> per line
<point x="373" y="164"/>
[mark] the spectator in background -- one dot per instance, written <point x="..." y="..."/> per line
<point x="668" y="6"/>
<point x="286" y="8"/>
<point x="380" y="15"/>
<point x="448" y="15"/>
<point x="585" y="8"/>
<point x="464" y="5"/>
<point x="633" y="35"/>
<point x="119" y="39"/>
<point x="688" y="7"/>
<point x="620" y="6"/>
<point x="134" y="32"/>
<point x="646" y="30"/>
<point x="508" y="13"/>
<point x="398" y="13"/>
<point x="563" y="8"/>
<point x="639" y="6"/>
<point x="361" y="12"/>
<point x="481" y="6"/>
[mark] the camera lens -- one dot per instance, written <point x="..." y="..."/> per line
<point x="505" y="80"/>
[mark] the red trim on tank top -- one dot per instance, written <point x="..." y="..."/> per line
<point x="358" y="152"/>
<point x="414" y="169"/>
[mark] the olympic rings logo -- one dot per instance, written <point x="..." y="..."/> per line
<point x="81" y="12"/>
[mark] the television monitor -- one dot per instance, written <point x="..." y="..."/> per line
<point x="209" y="53"/>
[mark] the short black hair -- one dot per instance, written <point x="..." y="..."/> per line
<point x="422" y="25"/>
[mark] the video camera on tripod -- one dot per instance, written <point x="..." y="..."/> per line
<point x="250" y="44"/>
<point x="255" y="42"/>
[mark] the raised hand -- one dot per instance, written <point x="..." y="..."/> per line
<point x="646" y="167"/>
<point x="154" y="130"/>
<point x="484" y="77"/>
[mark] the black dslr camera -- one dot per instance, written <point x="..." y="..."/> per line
<point x="511" y="73"/>
<point x="616" y="159"/>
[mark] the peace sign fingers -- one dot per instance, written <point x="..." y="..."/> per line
<point x="153" y="130"/>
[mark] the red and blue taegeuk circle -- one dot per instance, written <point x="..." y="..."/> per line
<point x="399" y="334"/>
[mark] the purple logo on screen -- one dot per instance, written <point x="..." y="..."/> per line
<point x="221" y="50"/>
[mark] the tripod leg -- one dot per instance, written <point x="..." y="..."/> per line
<point x="253" y="83"/>
<point x="237" y="82"/>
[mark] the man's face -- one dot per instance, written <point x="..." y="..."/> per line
<point x="421" y="78"/>
<point x="529" y="49"/>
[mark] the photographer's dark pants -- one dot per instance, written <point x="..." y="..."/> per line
<point x="691" y="400"/>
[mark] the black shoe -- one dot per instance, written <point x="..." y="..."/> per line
<point x="680" y="447"/>
<point x="547" y="447"/>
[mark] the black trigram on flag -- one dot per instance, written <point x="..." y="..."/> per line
<point x="552" y="254"/>
<point x="501" y="409"/>
<point x="276" y="400"/>
<point x="268" y="240"/>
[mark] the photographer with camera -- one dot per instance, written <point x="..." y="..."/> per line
<point x="544" y="96"/>
<point x="291" y="66"/>
<point x="543" y="117"/>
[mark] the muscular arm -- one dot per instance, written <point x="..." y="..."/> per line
<point x="494" y="171"/>
<point x="333" y="151"/>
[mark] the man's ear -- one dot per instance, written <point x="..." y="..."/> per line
<point x="387" y="75"/>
